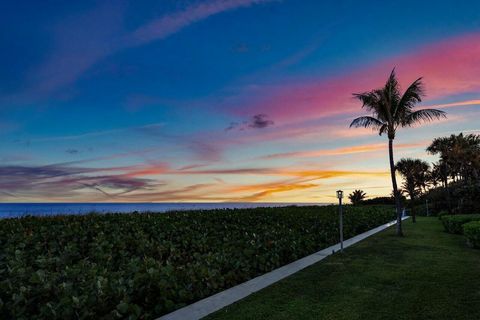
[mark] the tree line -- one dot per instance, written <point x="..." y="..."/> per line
<point x="451" y="183"/>
<point x="453" y="180"/>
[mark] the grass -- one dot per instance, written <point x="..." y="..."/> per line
<point x="428" y="274"/>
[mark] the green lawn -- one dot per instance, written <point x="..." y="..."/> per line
<point x="428" y="274"/>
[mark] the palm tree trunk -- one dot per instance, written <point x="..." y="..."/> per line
<point x="395" y="188"/>
<point x="449" y="201"/>
<point x="412" y="209"/>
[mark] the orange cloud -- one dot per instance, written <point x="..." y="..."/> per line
<point x="327" y="174"/>
<point x="148" y="170"/>
<point x="301" y="180"/>
<point x="317" y="174"/>
<point x="280" y="188"/>
<point x="342" y="151"/>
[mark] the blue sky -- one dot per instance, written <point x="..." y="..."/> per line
<point x="221" y="100"/>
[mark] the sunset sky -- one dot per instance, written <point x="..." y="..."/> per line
<point x="220" y="100"/>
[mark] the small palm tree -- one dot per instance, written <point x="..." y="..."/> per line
<point x="357" y="196"/>
<point x="390" y="111"/>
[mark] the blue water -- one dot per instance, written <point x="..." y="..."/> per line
<point x="10" y="210"/>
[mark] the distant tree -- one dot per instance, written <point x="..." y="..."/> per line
<point x="439" y="174"/>
<point x="379" y="200"/>
<point x="390" y="111"/>
<point x="357" y="196"/>
<point x="434" y="176"/>
<point x="459" y="160"/>
<point x="460" y="153"/>
<point x="414" y="172"/>
<point x="401" y="193"/>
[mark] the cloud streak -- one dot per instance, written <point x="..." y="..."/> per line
<point x="342" y="151"/>
<point x="311" y="173"/>
<point x="150" y="182"/>
<point x="455" y="104"/>
<point x="279" y="188"/>
<point x="174" y="22"/>
<point x="85" y="39"/>
<point x="59" y="181"/>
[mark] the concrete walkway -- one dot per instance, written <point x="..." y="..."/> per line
<point x="222" y="299"/>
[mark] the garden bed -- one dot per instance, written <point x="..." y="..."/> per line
<point x="145" y="265"/>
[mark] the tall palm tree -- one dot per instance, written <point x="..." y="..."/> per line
<point x="390" y="111"/>
<point x="414" y="172"/>
<point x="357" y="196"/>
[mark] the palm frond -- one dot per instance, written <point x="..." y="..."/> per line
<point x="424" y="115"/>
<point x="392" y="90"/>
<point x="411" y="96"/>
<point x="439" y="145"/>
<point x="383" y="107"/>
<point x="383" y="129"/>
<point x="369" y="99"/>
<point x="367" y="122"/>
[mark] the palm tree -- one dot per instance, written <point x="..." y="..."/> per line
<point x="465" y="149"/>
<point x="459" y="153"/>
<point x="390" y="111"/>
<point x="440" y="172"/>
<point x="422" y="175"/>
<point x="414" y="172"/>
<point x="433" y="177"/>
<point x="357" y="196"/>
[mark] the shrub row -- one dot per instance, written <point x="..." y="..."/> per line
<point x="454" y="223"/>
<point x="117" y="266"/>
<point x="471" y="230"/>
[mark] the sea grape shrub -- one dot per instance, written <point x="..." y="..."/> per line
<point x="471" y="230"/>
<point x="454" y="223"/>
<point x="117" y="266"/>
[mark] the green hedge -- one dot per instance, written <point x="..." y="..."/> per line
<point x="117" y="266"/>
<point x="442" y="214"/>
<point x="453" y="223"/>
<point x="471" y="230"/>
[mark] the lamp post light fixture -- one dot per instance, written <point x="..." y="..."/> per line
<point x="340" y="213"/>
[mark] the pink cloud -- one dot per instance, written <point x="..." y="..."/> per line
<point x="448" y="67"/>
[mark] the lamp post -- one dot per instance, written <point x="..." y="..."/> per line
<point x="340" y="213"/>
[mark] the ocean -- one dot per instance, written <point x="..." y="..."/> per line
<point x="12" y="210"/>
